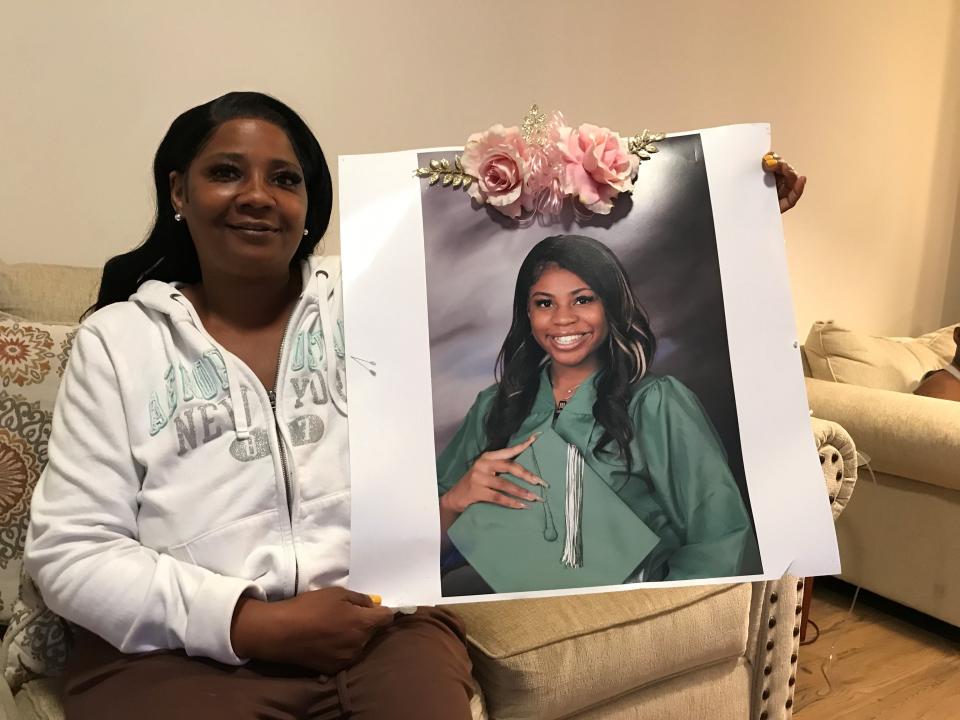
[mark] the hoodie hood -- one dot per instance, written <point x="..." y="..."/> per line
<point x="184" y="331"/>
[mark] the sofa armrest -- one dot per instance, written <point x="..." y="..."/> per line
<point x="838" y="460"/>
<point x="907" y="435"/>
<point x="773" y="646"/>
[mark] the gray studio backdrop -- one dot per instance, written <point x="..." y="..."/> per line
<point x="664" y="237"/>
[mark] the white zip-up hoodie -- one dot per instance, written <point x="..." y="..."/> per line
<point x="173" y="488"/>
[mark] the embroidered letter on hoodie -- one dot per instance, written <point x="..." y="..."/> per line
<point x="208" y="379"/>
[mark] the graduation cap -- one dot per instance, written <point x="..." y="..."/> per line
<point x="582" y="535"/>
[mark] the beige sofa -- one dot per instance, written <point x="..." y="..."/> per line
<point x="719" y="652"/>
<point x="899" y="536"/>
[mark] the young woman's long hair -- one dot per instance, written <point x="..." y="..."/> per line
<point x="168" y="253"/>
<point x="624" y="358"/>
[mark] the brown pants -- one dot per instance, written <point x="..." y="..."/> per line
<point x="417" y="668"/>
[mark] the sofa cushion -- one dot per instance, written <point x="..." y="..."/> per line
<point x="51" y="293"/>
<point x="550" y="657"/>
<point x="886" y="363"/>
<point x="32" y="359"/>
<point x="716" y="692"/>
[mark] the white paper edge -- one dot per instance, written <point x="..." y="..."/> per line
<point x="765" y="356"/>
<point x="391" y="414"/>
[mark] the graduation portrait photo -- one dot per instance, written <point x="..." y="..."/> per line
<point x="604" y="338"/>
<point x="577" y="357"/>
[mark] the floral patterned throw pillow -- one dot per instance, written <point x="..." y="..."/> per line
<point x="33" y="357"/>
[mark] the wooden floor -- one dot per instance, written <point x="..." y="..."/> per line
<point x="882" y="662"/>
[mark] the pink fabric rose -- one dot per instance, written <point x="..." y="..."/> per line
<point x="543" y="183"/>
<point x="598" y="166"/>
<point x="496" y="158"/>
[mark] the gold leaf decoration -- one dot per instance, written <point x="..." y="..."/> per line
<point x="445" y="173"/>
<point x="534" y="126"/>
<point x="642" y="145"/>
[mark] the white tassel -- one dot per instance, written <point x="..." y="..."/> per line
<point x="573" y="545"/>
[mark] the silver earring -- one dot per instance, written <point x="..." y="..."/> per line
<point x="178" y="217"/>
<point x="305" y="232"/>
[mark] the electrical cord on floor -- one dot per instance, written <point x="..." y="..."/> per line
<point x="815" y="637"/>
<point x="831" y="657"/>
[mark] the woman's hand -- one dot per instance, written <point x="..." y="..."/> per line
<point x="482" y="482"/>
<point x="789" y="184"/>
<point x="324" y="630"/>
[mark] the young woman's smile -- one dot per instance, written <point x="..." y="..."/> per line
<point x="567" y="318"/>
<point x="566" y="343"/>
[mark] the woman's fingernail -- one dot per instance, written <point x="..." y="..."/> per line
<point x="543" y="482"/>
<point x="376" y="599"/>
<point x="523" y="506"/>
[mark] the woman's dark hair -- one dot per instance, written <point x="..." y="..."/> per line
<point x="168" y="252"/>
<point x="624" y="358"/>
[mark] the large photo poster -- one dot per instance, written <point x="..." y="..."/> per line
<point x="573" y="418"/>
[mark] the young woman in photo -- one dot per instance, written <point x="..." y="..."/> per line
<point x="575" y="364"/>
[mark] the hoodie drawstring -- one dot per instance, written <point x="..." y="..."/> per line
<point x="328" y="329"/>
<point x="239" y="399"/>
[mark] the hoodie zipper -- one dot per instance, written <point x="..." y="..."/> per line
<point x="272" y="397"/>
<point x="287" y="482"/>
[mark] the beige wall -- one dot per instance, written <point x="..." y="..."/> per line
<point x="862" y="97"/>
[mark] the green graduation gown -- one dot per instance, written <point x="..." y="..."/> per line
<point x="678" y="516"/>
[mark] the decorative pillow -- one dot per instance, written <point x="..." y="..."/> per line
<point x="886" y="363"/>
<point x="32" y="359"/>
<point x="36" y="643"/>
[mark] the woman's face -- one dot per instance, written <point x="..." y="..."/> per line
<point x="567" y="318"/>
<point x="244" y="199"/>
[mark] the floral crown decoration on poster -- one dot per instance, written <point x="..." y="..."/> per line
<point x="537" y="169"/>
